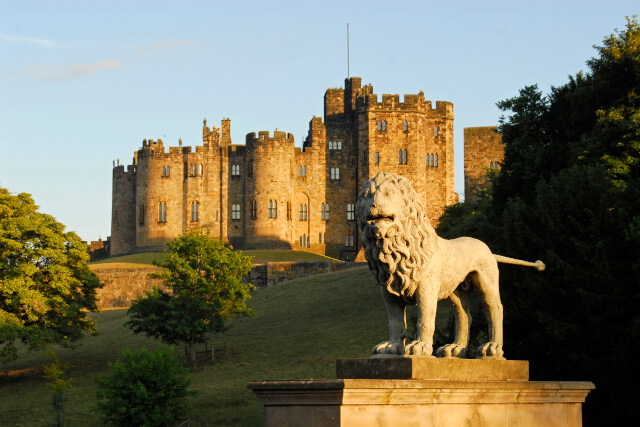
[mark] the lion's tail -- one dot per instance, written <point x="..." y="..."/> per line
<point x="539" y="265"/>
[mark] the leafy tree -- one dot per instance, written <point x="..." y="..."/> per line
<point x="569" y="193"/>
<point x="46" y="287"/>
<point x="205" y="289"/>
<point x="144" y="389"/>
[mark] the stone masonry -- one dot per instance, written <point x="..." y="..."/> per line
<point x="269" y="193"/>
<point x="483" y="151"/>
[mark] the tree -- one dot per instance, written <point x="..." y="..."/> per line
<point x="46" y="287"/>
<point x="144" y="389"/>
<point x="569" y="193"/>
<point x="205" y="289"/>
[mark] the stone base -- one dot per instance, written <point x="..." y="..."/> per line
<point x="422" y="402"/>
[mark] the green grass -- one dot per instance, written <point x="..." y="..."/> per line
<point x="300" y="329"/>
<point x="259" y="257"/>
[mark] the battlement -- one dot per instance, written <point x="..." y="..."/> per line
<point x="265" y="139"/>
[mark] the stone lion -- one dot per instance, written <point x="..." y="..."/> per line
<point x="414" y="265"/>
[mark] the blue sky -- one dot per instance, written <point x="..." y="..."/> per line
<point x="82" y="83"/>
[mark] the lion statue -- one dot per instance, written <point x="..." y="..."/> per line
<point x="413" y="265"/>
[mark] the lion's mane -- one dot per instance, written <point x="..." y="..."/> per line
<point x="398" y="256"/>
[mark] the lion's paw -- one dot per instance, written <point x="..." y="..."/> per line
<point x="451" y="350"/>
<point x="419" y="348"/>
<point x="387" y="347"/>
<point x="490" y="350"/>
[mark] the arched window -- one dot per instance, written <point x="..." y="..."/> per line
<point x="400" y="156"/>
<point x="195" y="208"/>
<point x="436" y="131"/>
<point x="384" y="125"/>
<point x="491" y="165"/>
<point x="168" y="170"/>
<point x="254" y="210"/>
<point x="201" y="169"/>
<point x="197" y="211"/>
<point x="164" y="170"/>
<point x="299" y="170"/>
<point x="377" y="157"/>
<point x="405" y="126"/>
<point x="304" y="240"/>
<point x="304" y="171"/>
<point x="436" y="164"/>
<point x="274" y="210"/>
<point x="308" y="241"/>
<point x="300" y="243"/>
<point x="379" y="125"/>
<point x="432" y="162"/>
<point x="160" y="212"/>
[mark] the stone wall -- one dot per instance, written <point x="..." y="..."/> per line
<point x="126" y="282"/>
<point x="123" y="283"/>
<point x="483" y="150"/>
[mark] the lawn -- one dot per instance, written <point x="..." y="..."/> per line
<point x="259" y="257"/>
<point x="300" y="328"/>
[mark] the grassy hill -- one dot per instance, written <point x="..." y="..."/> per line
<point x="259" y="257"/>
<point x="300" y="329"/>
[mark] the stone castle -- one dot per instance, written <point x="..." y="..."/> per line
<point x="270" y="194"/>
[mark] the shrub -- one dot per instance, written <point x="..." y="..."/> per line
<point x="144" y="389"/>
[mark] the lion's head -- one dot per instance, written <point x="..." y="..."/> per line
<point x="396" y="232"/>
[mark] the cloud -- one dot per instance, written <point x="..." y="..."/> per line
<point x="64" y="72"/>
<point x="29" y="40"/>
<point x="162" y="46"/>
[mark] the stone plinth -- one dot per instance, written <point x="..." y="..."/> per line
<point x="433" y="369"/>
<point x="510" y="401"/>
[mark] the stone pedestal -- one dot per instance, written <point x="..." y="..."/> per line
<point x="424" y="392"/>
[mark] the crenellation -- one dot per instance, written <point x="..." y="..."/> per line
<point x="270" y="193"/>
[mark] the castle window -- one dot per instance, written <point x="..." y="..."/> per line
<point x="384" y="125"/>
<point x="299" y="170"/>
<point x="273" y="209"/>
<point x="326" y="212"/>
<point x="304" y="171"/>
<point x="254" y="209"/>
<point x="195" y="211"/>
<point x="351" y="212"/>
<point x="235" y="211"/>
<point x="324" y="235"/>
<point x="235" y="170"/>
<point x="335" y="173"/>
<point x="164" y="171"/>
<point x="377" y="157"/>
<point x="300" y="242"/>
<point x="402" y="157"/>
<point x="168" y="170"/>
<point x="142" y="215"/>
<point x="405" y="126"/>
<point x="379" y="125"/>
<point x="191" y="170"/>
<point x="436" y="131"/>
<point x="308" y="241"/>
<point x="348" y="241"/>
<point x="303" y="213"/>
<point x="162" y="212"/>
<point x="201" y="169"/>
<point x="436" y="164"/>
<point x="322" y="212"/>
<point x="335" y="145"/>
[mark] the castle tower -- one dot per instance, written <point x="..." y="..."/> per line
<point x="123" y="210"/>
<point x="483" y="150"/>
<point x="270" y="189"/>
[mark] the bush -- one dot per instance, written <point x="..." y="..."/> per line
<point x="144" y="389"/>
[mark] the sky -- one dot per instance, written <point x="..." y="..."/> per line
<point x="82" y="83"/>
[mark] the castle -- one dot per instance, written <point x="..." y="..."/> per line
<point x="269" y="193"/>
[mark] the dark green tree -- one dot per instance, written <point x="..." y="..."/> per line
<point x="203" y="278"/>
<point x="46" y="287"/>
<point x="569" y="193"/>
<point x="144" y="389"/>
